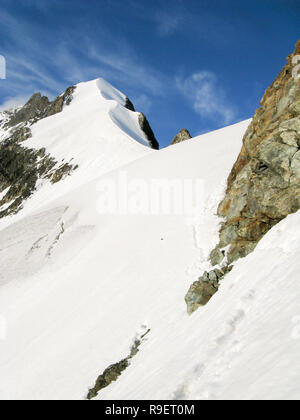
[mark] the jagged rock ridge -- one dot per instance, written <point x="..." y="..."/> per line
<point x="39" y="107"/>
<point x="144" y="124"/>
<point x="21" y="167"/>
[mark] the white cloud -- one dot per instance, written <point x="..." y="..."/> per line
<point x="126" y="68"/>
<point x="11" y="103"/>
<point x="166" y="23"/>
<point x="50" y="68"/>
<point x="207" y="97"/>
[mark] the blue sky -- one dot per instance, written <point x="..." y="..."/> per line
<point x="198" y="64"/>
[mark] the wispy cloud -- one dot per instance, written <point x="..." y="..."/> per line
<point x="27" y="61"/>
<point x="15" y="102"/>
<point x="50" y="67"/>
<point x="207" y="97"/>
<point x="125" y="67"/>
<point x="167" y="23"/>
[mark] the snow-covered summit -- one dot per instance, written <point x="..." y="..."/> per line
<point x="91" y="129"/>
<point x="96" y="126"/>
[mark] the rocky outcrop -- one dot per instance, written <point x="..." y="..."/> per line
<point x="146" y="128"/>
<point x="58" y="104"/>
<point x="39" y="107"/>
<point x="30" y="112"/>
<point x="144" y="124"/>
<point x="129" y="105"/>
<point x="183" y="135"/>
<point x="20" y="170"/>
<point x="203" y="290"/>
<point x="264" y="184"/>
<point x="113" y="372"/>
<point x="20" y="166"/>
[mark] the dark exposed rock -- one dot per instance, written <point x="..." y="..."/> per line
<point x="39" y="107"/>
<point x="21" y="167"/>
<point x="264" y="184"/>
<point x="145" y="126"/>
<point x="129" y="105"/>
<point x="32" y="110"/>
<point x="183" y="135"/>
<point x="204" y="289"/>
<point x="21" y="134"/>
<point x="64" y="170"/>
<point x="57" y="105"/>
<point x="113" y="372"/>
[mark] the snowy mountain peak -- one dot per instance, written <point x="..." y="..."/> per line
<point x="91" y="129"/>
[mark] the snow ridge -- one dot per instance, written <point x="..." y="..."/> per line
<point x="125" y="119"/>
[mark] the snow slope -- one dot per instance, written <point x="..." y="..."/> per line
<point x="77" y="286"/>
<point x="243" y="345"/>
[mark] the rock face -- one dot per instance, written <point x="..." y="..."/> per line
<point x="183" y="135"/>
<point x="203" y="290"/>
<point x="264" y="184"/>
<point x="144" y="124"/>
<point x="39" y="107"/>
<point x="146" y="128"/>
<point x="22" y="167"/>
<point x="113" y="372"/>
<point x="129" y="105"/>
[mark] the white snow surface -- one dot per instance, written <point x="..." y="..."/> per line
<point x="86" y="130"/>
<point x="95" y="132"/>
<point x="77" y="286"/>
